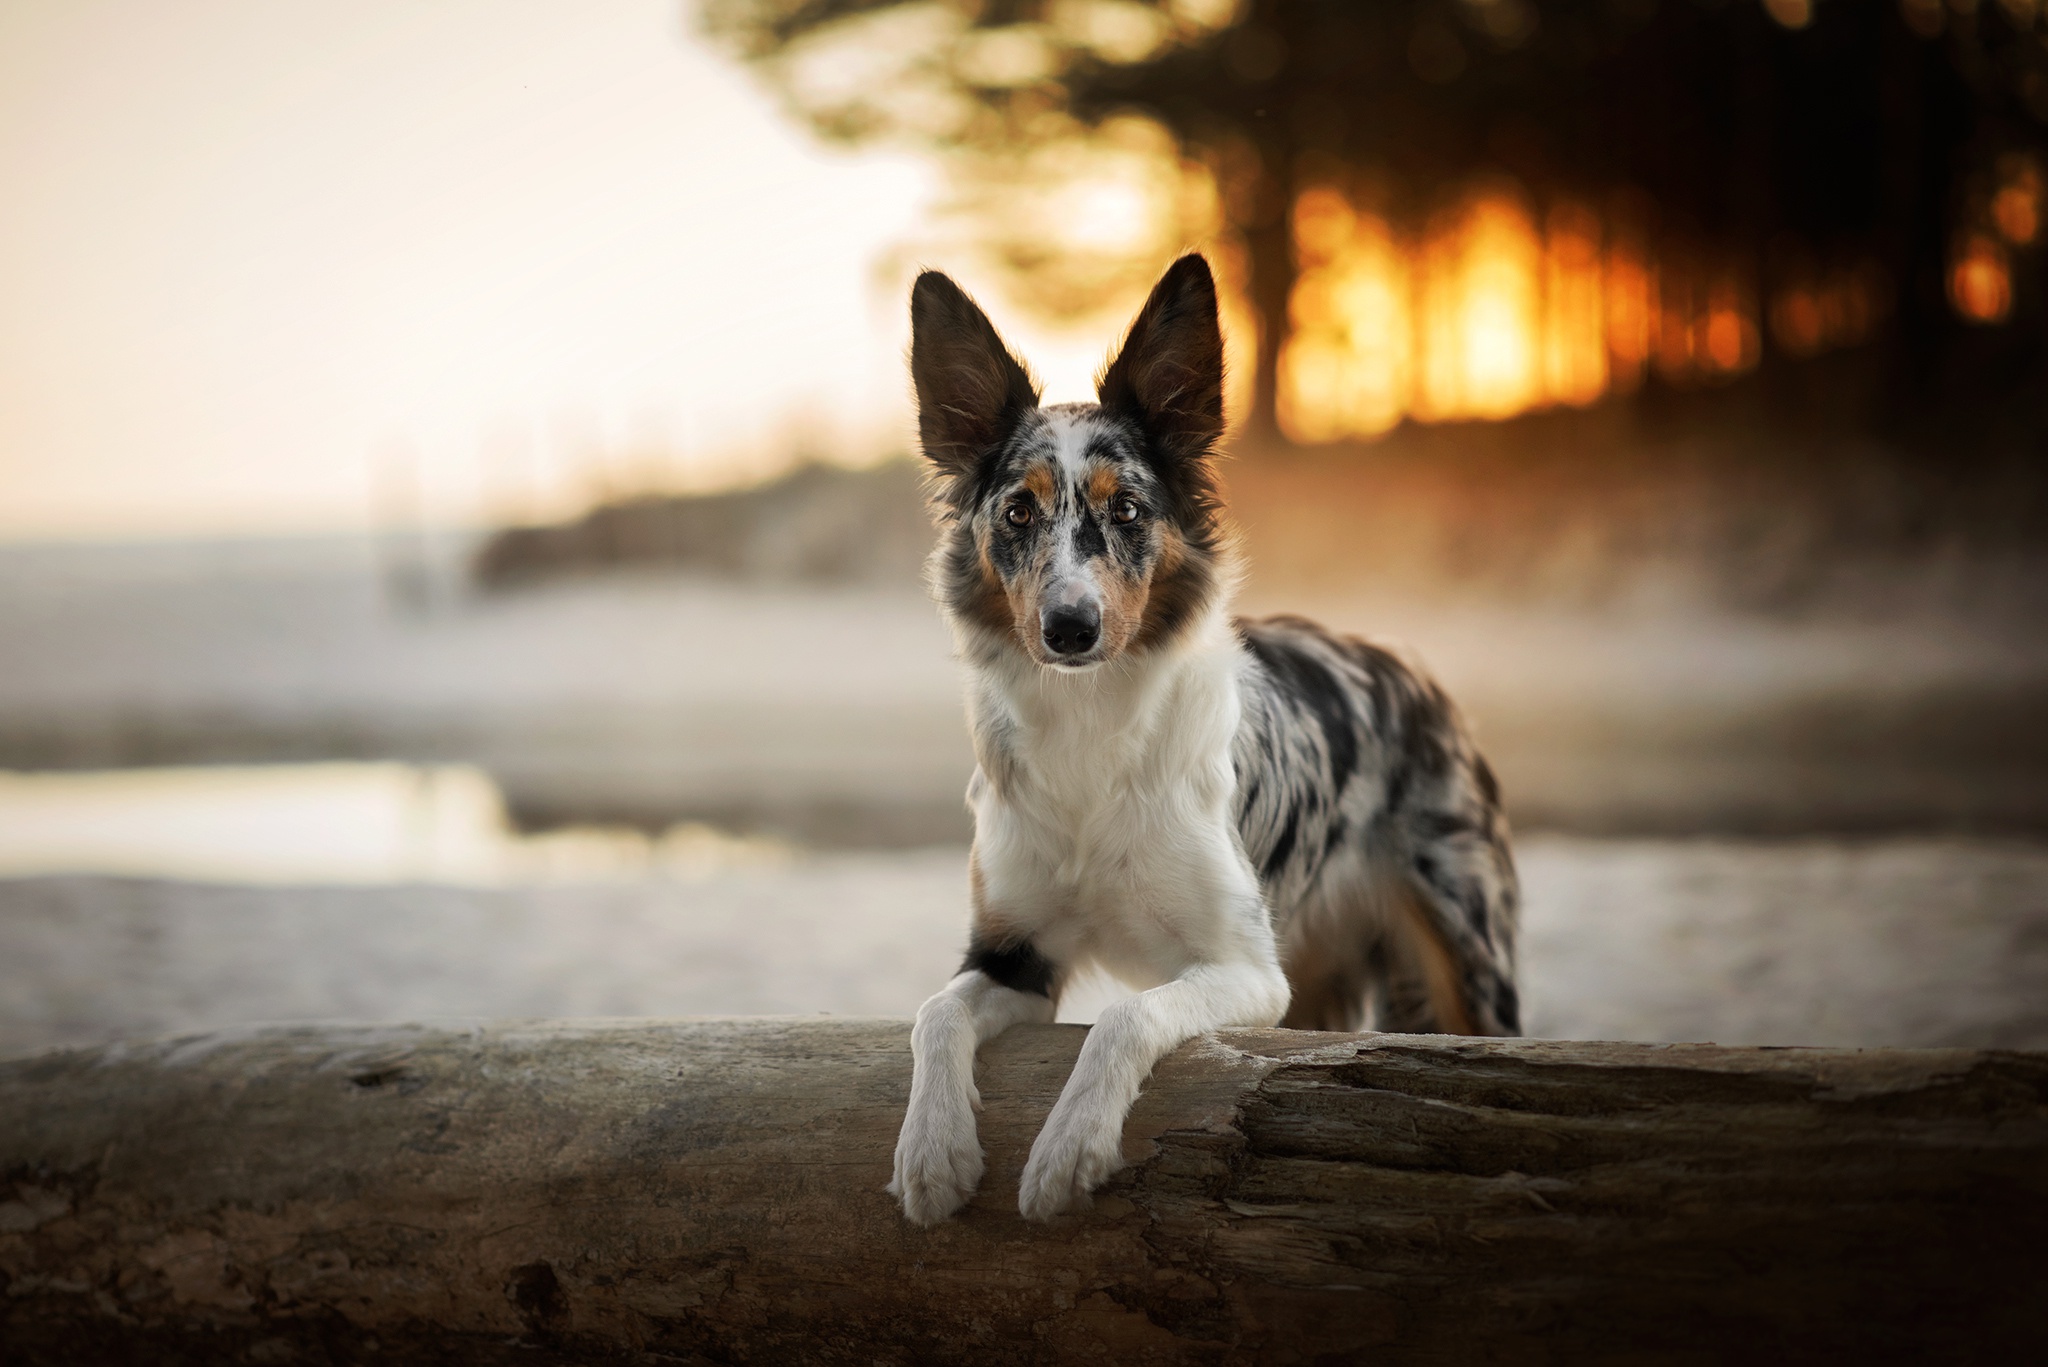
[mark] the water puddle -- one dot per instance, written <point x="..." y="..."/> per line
<point x="341" y="823"/>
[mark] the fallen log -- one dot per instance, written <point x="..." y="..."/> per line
<point x="711" y="1191"/>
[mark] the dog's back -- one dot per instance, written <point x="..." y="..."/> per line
<point x="1377" y="833"/>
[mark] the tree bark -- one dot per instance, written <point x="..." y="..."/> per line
<point x="711" y="1191"/>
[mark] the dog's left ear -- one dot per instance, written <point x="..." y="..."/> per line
<point x="1169" y="375"/>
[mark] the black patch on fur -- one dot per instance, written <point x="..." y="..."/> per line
<point x="1411" y="713"/>
<point x="1442" y="825"/>
<point x="1469" y="899"/>
<point x="1473" y="901"/>
<point x="1284" y="846"/>
<point x="1335" y="836"/>
<point x="1016" y="965"/>
<point x="1423" y="724"/>
<point x="1129" y="551"/>
<point x="1433" y="876"/>
<point x="1009" y="547"/>
<point x="1507" y="1005"/>
<point x="1309" y="685"/>
<point x="1089" y="541"/>
<point x="1489" y="787"/>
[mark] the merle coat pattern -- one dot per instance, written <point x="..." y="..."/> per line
<point x="1252" y="821"/>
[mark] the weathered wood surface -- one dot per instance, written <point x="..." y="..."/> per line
<point x="711" y="1191"/>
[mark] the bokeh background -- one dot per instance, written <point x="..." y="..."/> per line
<point x="460" y="541"/>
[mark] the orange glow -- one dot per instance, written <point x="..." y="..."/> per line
<point x="1675" y="331"/>
<point x="1480" y="311"/>
<point x="1838" y="310"/>
<point x="1631" y="315"/>
<point x="1706" y="330"/>
<point x="1574" y="346"/>
<point x="1796" y="322"/>
<point x="2016" y="208"/>
<point x="1728" y="337"/>
<point x="1345" y="368"/>
<point x="2017" y="212"/>
<point x="1724" y="340"/>
<point x="1486" y="315"/>
<point x="1793" y="14"/>
<point x="1979" y="282"/>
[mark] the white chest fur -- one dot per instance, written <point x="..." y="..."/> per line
<point x="1103" y="809"/>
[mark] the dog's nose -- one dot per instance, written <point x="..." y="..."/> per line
<point x="1071" y="630"/>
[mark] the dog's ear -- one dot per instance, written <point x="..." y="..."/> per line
<point x="970" y="390"/>
<point x="1169" y="375"/>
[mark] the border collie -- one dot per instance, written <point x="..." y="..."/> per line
<point x="1255" y="822"/>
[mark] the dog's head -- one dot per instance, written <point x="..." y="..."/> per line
<point x="1076" y="532"/>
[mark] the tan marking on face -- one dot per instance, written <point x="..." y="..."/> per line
<point x="1173" y="554"/>
<point x="1181" y="579"/>
<point x="988" y="603"/>
<point x="1021" y="598"/>
<point x="1123" y="598"/>
<point x="1102" y="485"/>
<point x="1123" y="607"/>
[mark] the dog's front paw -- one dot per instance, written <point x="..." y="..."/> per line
<point x="938" y="1162"/>
<point x="1075" y="1153"/>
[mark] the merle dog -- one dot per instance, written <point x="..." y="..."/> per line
<point x="1251" y="821"/>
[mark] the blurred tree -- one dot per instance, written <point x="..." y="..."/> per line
<point x="1787" y="141"/>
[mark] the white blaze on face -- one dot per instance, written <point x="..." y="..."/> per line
<point x="1071" y="579"/>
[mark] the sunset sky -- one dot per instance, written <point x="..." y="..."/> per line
<point x="274" y="265"/>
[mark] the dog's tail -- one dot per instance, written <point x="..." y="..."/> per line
<point x="1384" y="950"/>
<point x="1451" y="923"/>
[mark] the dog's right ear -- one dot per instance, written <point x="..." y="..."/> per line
<point x="970" y="390"/>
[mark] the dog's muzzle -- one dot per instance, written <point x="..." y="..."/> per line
<point x="1071" y="630"/>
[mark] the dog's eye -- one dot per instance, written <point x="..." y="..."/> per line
<point x="1018" y="514"/>
<point x="1125" y="511"/>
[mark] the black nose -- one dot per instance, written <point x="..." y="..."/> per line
<point x="1071" y="631"/>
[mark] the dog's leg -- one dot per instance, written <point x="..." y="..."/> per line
<point x="938" y="1155"/>
<point x="1082" y="1142"/>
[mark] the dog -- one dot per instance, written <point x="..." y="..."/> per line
<point x="1254" y="822"/>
